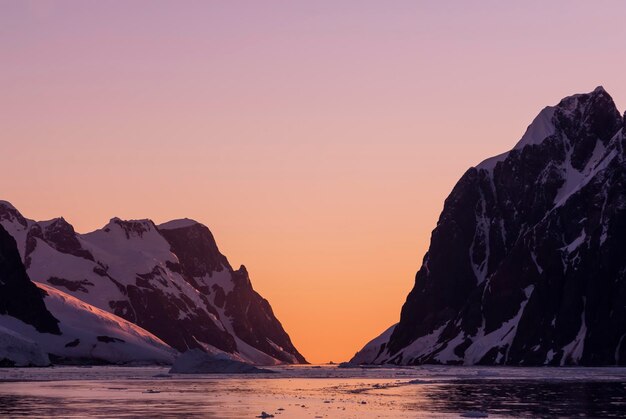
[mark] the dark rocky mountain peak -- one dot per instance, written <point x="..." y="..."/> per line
<point x="9" y="213"/>
<point x="206" y="269"/>
<point x="195" y="247"/>
<point x="131" y="228"/>
<point x="60" y="234"/>
<point x="525" y="265"/>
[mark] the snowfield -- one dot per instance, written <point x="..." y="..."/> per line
<point x="90" y="334"/>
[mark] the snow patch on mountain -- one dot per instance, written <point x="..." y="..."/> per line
<point x="88" y="333"/>
<point x="428" y="344"/>
<point x="499" y="338"/>
<point x="131" y="268"/>
<point x="373" y="349"/>
<point x="573" y="351"/>
<point x="180" y="223"/>
<point x="541" y="128"/>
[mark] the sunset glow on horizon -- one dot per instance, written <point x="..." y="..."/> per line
<point x="317" y="140"/>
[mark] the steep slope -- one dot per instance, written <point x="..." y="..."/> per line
<point x="171" y="281"/>
<point x="247" y="316"/>
<point x="19" y="297"/>
<point x="526" y="265"/>
<point x="38" y="322"/>
<point x="373" y="348"/>
<point x="90" y="335"/>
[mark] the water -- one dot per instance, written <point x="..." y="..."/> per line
<point x="315" y="392"/>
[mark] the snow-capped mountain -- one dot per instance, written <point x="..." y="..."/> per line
<point x="38" y="322"/>
<point x="527" y="263"/>
<point x="170" y="280"/>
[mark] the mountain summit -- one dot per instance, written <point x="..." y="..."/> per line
<point x="526" y="264"/>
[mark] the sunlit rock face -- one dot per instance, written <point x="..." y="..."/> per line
<point x="527" y="263"/>
<point x="170" y="280"/>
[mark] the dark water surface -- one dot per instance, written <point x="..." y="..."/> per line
<point x="313" y="392"/>
<point x="524" y="398"/>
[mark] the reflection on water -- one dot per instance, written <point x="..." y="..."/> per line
<point x="523" y="398"/>
<point x="55" y="407"/>
<point x="306" y="392"/>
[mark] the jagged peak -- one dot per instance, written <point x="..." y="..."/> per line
<point x="178" y="223"/>
<point x="548" y="121"/>
<point x="53" y="222"/>
<point x="11" y="214"/>
<point x="541" y="128"/>
<point x="118" y="220"/>
<point x="56" y="226"/>
<point x="131" y="227"/>
<point x="582" y="101"/>
<point x="7" y="204"/>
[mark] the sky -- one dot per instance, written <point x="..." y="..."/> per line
<point x="316" y="139"/>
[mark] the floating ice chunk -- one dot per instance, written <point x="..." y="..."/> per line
<point x="196" y="361"/>
<point x="418" y="381"/>
<point x="348" y="365"/>
<point x="19" y="351"/>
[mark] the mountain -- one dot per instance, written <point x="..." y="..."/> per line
<point x="527" y="265"/>
<point x="38" y="322"/>
<point x="170" y="280"/>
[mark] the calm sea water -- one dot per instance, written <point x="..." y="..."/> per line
<point x="315" y="392"/>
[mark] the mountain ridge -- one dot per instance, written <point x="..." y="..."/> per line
<point x="170" y="279"/>
<point x="523" y="266"/>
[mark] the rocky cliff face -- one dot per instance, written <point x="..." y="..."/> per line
<point x="527" y="263"/>
<point x="170" y="280"/>
<point x="19" y="297"/>
<point x="249" y="317"/>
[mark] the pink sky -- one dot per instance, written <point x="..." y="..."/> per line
<point x="316" y="139"/>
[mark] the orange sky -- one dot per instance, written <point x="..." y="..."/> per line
<point x="317" y="140"/>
